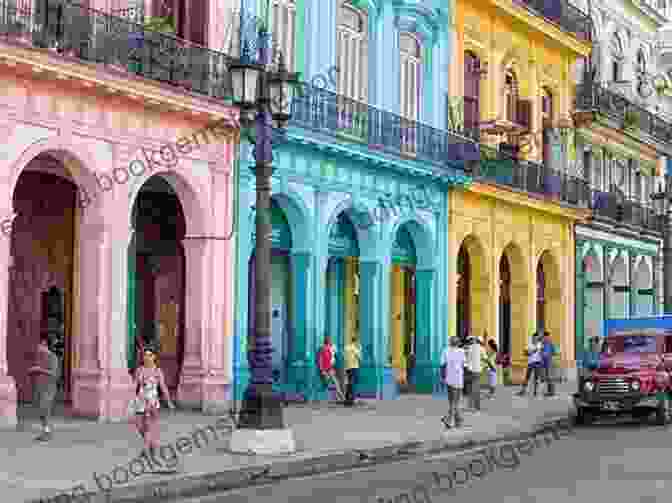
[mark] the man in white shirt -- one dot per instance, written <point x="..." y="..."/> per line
<point x="472" y="372"/>
<point x="452" y="369"/>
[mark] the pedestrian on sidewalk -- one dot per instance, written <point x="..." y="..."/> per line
<point x="326" y="360"/>
<point x="473" y="372"/>
<point x="45" y="373"/>
<point x="534" y="365"/>
<point x="548" y="350"/>
<point x="149" y="381"/>
<point x="353" y="356"/>
<point x="489" y="364"/>
<point x="452" y="365"/>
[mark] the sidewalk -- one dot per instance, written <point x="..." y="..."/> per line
<point x="33" y="470"/>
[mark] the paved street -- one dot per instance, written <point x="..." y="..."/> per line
<point x="619" y="463"/>
<point x="37" y="469"/>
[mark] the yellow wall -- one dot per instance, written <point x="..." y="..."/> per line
<point x="491" y="223"/>
<point x="540" y="54"/>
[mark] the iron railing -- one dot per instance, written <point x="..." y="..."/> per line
<point x="332" y="114"/>
<point x="500" y="168"/>
<point x="77" y="31"/>
<point x="594" y="97"/>
<point x="564" y="14"/>
<point x="615" y="207"/>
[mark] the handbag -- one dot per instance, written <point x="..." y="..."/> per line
<point x="136" y="406"/>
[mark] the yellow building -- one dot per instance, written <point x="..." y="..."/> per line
<point x="511" y="235"/>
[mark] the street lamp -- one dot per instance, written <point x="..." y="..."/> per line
<point x="262" y="95"/>
<point x="661" y="200"/>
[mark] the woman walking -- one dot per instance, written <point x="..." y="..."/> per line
<point x="45" y="373"/>
<point x="149" y="381"/>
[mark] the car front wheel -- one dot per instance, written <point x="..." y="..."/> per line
<point x="664" y="410"/>
<point x="584" y="416"/>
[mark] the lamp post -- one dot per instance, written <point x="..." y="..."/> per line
<point x="263" y="97"/>
<point x="661" y="200"/>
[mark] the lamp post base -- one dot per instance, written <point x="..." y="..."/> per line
<point x="261" y="409"/>
<point x="262" y="442"/>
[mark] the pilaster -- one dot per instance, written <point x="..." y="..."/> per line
<point x="301" y="366"/>
<point x="7" y="383"/>
<point x="426" y="369"/>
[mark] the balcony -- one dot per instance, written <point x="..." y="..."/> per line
<point x="593" y="99"/>
<point x="614" y="208"/>
<point x="341" y="118"/>
<point x="564" y="14"/>
<point x="78" y="32"/>
<point x="498" y="167"/>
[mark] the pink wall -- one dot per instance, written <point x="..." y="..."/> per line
<point x="92" y="132"/>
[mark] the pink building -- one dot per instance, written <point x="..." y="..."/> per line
<point x="123" y="200"/>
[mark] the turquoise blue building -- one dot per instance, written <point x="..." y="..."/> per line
<point x="343" y="265"/>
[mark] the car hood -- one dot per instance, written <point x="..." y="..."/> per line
<point x="627" y="363"/>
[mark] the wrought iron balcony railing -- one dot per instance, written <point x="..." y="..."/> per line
<point x="564" y="14"/>
<point x="332" y="114"/>
<point x="498" y="167"/>
<point x="594" y="98"/>
<point x="613" y="206"/>
<point x="77" y="31"/>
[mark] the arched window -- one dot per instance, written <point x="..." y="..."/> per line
<point x="410" y="65"/>
<point x="617" y="59"/>
<point x="510" y="95"/>
<point x="283" y="22"/>
<point x="352" y="53"/>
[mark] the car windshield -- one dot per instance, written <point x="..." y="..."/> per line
<point x="630" y="344"/>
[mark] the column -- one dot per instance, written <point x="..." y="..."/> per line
<point x="299" y="362"/>
<point x="7" y="383"/>
<point x="426" y="369"/>
<point x="580" y="344"/>
<point x="632" y="290"/>
<point x="196" y="320"/>
<point x="376" y="377"/>
<point x="656" y="285"/>
<point x="320" y="26"/>
<point x="396" y="316"/>
<point x="607" y="282"/>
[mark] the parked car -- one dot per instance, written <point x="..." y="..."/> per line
<point x="631" y="374"/>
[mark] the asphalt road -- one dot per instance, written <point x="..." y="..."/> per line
<point x="612" y="461"/>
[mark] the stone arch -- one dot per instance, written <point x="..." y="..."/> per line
<point x="549" y="296"/>
<point x="423" y="239"/>
<point x="473" y="287"/>
<point x="360" y="216"/>
<point x="53" y="263"/>
<point x="513" y="299"/>
<point x="642" y="288"/>
<point x="190" y="195"/>
<point x="617" y="288"/>
<point x="298" y="218"/>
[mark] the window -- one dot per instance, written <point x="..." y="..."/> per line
<point x="510" y="95"/>
<point x="472" y="90"/>
<point x="547" y="122"/>
<point x="637" y="189"/>
<point x="410" y="66"/>
<point x="283" y="20"/>
<point x="597" y="181"/>
<point x="617" y="57"/>
<point x="352" y="53"/>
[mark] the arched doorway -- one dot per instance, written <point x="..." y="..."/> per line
<point x="643" y="290"/>
<point x="472" y="289"/>
<point x="549" y="298"/>
<point x="504" y="305"/>
<point x="342" y="286"/>
<point x="593" y="303"/>
<point x="402" y="348"/>
<point x="157" y="277"/>
<point x="281" y="295"/>
<point x="41" y="271"/>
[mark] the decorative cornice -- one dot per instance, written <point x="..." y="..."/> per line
<point x="408" y="168"/>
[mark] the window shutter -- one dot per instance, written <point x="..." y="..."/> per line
<point x="198" y="21"/>
<point x="524" y="113"/>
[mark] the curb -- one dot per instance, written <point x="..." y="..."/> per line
<point x="210" y="484"/>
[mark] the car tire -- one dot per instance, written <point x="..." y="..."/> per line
<point x="583" y="417"/>
<point x="663" y="411"/>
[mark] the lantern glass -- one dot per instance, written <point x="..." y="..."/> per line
<point x="281" y="92"/>
<point x="244" y="79"/>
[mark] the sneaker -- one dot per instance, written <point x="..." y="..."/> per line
<point x="45" y="436"/>
<point x="521" y="393"/>
<point x="446" y="422"/>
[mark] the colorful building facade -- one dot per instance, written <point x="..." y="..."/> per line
<point x="118" y="184"/>
<point x="511" y="237"/>
<point x="346" y="263"/>
<point x="622" y="141"/>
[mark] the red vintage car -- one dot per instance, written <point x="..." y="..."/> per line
<point x="632" y="374"/>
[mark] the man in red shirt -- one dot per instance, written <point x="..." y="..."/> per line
<point x="326" y="359"/>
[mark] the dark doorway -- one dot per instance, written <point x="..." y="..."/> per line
<point x="505" y="305"/>
<point x="463" y="293"/>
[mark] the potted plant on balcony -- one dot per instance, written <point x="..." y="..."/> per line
<point x="18" y="31"/>
<point x="630" y="120"/>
